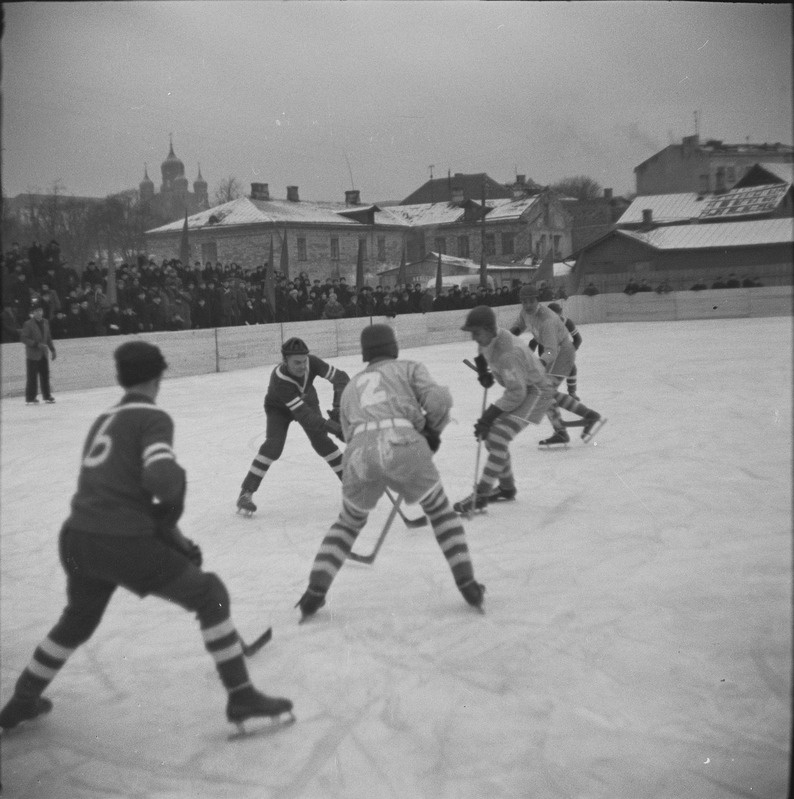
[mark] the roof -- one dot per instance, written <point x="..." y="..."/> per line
<point x="715" y="235"/>
<point x="745" y="201"/>
<point x="440" y="189"/>
<point x="767" y="172"/>
<point x="245" y="211"/>
<point x="672" y="208"/>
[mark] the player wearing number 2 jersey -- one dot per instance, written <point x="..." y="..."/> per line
<point x="123" y="531"/>
<point x="392" y="415"/>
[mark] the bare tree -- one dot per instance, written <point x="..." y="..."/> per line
<point x="229" y="189"/>
<point x="580" y="187"/>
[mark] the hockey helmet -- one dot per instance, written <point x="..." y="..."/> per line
<point x="480" y="317"/>
<point x="138" y="362"/>
<point x="294" y="346"/>
<point x="378" y="341"/>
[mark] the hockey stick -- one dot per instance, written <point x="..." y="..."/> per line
<point x="251" y="649"/>
<point x="412" y="523"/>
<point x="370" y="559"/>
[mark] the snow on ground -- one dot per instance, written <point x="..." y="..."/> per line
<point x="637" y="640"/>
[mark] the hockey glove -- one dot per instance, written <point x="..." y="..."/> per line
<point x="333" y="415"/>
<point x="485" y="422"/>
<point x="433" y="438"/>
<point x="515" y="330"/>
<point x="533" y="345"/>
<point x="484" y="375"/>
<point x="167" y="514"/>
<point x="173" y="538"/>
<point x="334" y="428"/>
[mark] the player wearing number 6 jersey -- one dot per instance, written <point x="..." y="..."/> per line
<point x="122" y="531"/>
<point x="392" y="415"/>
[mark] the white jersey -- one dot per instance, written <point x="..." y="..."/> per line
<point x="394" y="389"/>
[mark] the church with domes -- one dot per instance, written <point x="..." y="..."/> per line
<point x="174" y="197"/>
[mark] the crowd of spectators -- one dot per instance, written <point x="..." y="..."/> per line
<point x="149" y="296"/>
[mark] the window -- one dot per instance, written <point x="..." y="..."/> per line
<point x="302" y="249"/>
<point x="703" y="185"/>
<point x="490" y="244"/>
<point x="463" y="246"/>
<point x="508" y="244"/>
<point x="731" y="175"/>
<point x="381" y="248"/>
<point x="441" y="245"/>
<point x="557" y="253"/>
<point x="720" y="178"/>
<point x="363" y="245"/>
<point x="334" y="248"/>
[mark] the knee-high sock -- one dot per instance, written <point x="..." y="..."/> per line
<point x="256" y="472"/>
<point x="449" y="533"/>
<point x="334" y="460"/>
<point x="48" y="659"/>
<point x="570" y="404"/>
<point x="498" y="466"/>
<point x="336" y="547"/>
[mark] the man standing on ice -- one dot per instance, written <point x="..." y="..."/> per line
<point x="122" y="531"/>
<point x="291" y="396"/>
<point x="559" y="359"/>
<point x="392" y="416"/>
<point x="528" y="393"/>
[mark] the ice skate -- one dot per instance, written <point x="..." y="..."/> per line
<point x="502" y="495"/>
<point x="310" y="603"/>
<point x="20" y="709"/>
<point x="248" y="703"/>
<point x="560" y="438"/>
<point x="469" y="505"/>
<point x="473" y="592"/>
<point x="593" y="423"/>
<point x="245" y="504"/>
<point x="32" y="402"/>
<point x="49" y="400"/>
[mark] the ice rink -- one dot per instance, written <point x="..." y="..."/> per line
<point x="637" y="636"/>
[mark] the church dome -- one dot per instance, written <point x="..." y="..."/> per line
<point x="172" y="168"/>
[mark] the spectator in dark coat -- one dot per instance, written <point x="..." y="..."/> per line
<point x="590" y="290"/>
<point x="732" y="282"/>
<point x="37" y="338"/>
<point x="10" y="326"/>
<point x="112" y="320"/>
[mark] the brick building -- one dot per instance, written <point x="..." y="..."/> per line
<point x="322" y="238"/>
<point x="704" y="167"/>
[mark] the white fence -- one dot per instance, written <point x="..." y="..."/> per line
<point x="88" y="362"/>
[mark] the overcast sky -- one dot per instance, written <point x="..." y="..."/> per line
<point x="329" y="96"/>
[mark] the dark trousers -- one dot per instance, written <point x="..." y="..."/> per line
<point x="37" y="370"/>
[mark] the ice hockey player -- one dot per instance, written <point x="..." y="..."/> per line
<point x="392" y="416"/>
<point x="291" y="395"/>
<point x="559" y="358"/>
<point x="576" y="340"/>
<point x="528" y="393"/>
<point x="122" y="531"/>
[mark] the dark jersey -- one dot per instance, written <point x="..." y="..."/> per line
<point x="298" y="396"/>
<point x="128" y="462"/>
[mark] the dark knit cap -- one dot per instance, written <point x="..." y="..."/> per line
<point x="378" y="341"/>
<point x="480" y="317"/>
<point x="294" y="346"/>
<point x="556" y="307"/>
<point x="138" y="362"/>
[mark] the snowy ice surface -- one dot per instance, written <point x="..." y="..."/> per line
<point x="637" y="640"/>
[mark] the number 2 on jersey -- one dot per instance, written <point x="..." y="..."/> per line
<point x="372" y="393"/>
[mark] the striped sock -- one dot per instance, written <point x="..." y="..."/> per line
<point x="449" y="533"/>
<point x="336" y="547"/>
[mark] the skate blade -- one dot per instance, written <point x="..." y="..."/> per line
<point x="264" y="726"/>
<point x="552" y="447"/>
<point x="591" y="435"/>
<point x="246" y="513"/>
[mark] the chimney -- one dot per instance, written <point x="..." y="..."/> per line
<point x="607" y="194"/>
<point x="521" y="179"/>
<point x="457" y="195"/>
<point x="292" y="194"/>
<point x="352" y="197"/>
<point x="647" y="217"/>
<point x="260" y="191"/>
